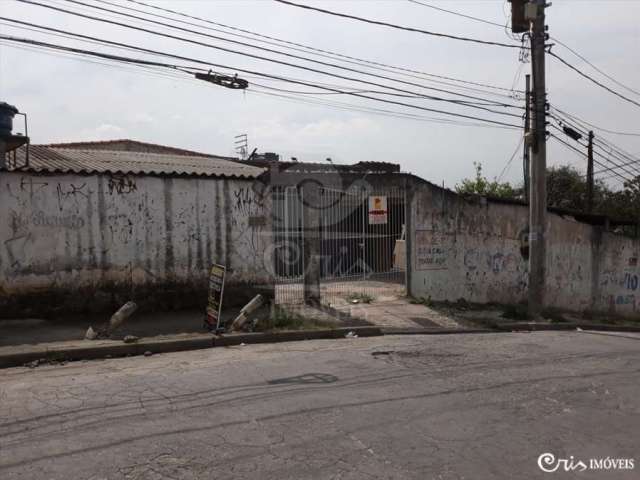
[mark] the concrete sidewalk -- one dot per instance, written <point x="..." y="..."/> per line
<point x="17" y="355"/>
<point x="398" y="312"/>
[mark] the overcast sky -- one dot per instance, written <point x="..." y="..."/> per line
<point x="72" y="100"/>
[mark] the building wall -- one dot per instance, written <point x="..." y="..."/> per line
<point x="473" y="250"/>
<point x="74" y="242"/>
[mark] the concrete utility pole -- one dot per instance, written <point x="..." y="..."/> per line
<point x="527" y="126"/>
<point x="590" y="173"/>
<point x="538" y="199"/>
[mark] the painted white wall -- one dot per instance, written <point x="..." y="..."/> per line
<point x="472" y="251"/>
<point x="70" y="231"/>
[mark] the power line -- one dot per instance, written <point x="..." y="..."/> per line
<point x="139" y="69"/>
<point x="581" y="57"/>
<point x="42" y="30"/>
<point x="456" y="13"/>
<point x="549" y="51"/>
<point x="303" y="48"/>
<point x="266" y="75"/>
<point x="612" y="132"/>
<point x="601" y="143"/>
<point x="69" y="36"/>
<point x="600" y="147"/>
<point x="583" y="154"/>
<point x="375" y="111"/>
<point x="609" y="160"/>
<point x="143" y="69"/>
<point x="297" y="92"/>
<point x="287" y="54"/>
<point x="588" y="77"/>
<point x="584" y="130"/>
<point x="615" y="166"/>
<point x="399" y="27"/>
<point x="505" y="169"/>
<point x="166" y="35"/>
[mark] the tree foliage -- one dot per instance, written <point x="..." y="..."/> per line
<point x="480" y="185"/>
<point x="567" y="189"/>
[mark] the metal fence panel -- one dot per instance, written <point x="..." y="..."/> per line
<point x="361" y="243"/>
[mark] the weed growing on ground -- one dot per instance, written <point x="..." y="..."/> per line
<point x="359" y="298"/>
<point x="283" y="319"/>
<point x="515" y="312"/>
<point x="427" y="302"/>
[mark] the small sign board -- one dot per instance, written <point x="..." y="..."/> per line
<point x="216" y="290"/>
<point x="378" y="213"/>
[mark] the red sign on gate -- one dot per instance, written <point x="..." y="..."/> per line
<point x="378" y="213"/>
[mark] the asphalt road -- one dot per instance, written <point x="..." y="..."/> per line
<point x="424" y="407"/>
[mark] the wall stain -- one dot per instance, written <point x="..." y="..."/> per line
<point x="169" y="259"/>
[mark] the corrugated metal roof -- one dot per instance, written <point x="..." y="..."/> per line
<point x="125" y="144"/>
<point x="72" y="160"/>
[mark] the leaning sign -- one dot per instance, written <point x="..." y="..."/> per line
<point x="378" y="210"/>
<point x="216" y="289"/>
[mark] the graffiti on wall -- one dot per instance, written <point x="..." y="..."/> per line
<point x="121" y="184"/>
<point x="20" y="221"/>
<point x="630" y="281"/>
<point x="620" y="285"/>
<point x="249" y="218"/>
<point x="32" y="185"/>
<point x="70" y="192"/>
<point x="432" y="250"/>
<point x="496" y="262"/>
<point x="246" y="201"/>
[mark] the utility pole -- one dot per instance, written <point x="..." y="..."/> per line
<point x="534" y="11"/>
<point x="590" y="173"/>
<point x="527" y="126"/>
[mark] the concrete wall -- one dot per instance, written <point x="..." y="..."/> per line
<point x="75" y="242"/>
<point x="461" y="249"/>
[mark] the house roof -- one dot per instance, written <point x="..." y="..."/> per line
<point x="316" y="167"/>
<point x="83" y="159"/>
<point x="125" y="144"/>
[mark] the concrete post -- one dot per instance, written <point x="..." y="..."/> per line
<point x="538" y="192"/>
<point x="311" y="211"/>
<point x="409" y="208"/>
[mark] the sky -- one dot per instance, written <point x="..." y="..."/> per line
<point x="71" y="99"/>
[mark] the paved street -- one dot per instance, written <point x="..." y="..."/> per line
<point x="423" y="407"/>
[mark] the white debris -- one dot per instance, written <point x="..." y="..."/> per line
<point x="91" y="334"/>
<point x="255" y="303"/>
<point x="351" y="335"/>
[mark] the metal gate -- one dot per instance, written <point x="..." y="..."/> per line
<point x="360" y="244"/>
<point x="288" y="238"/>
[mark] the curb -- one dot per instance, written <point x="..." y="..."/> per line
<point x="433" y="331"/>
<point x="113" y="348"/>
<point x="293" y="336"/>
<point x="532" y="327"/>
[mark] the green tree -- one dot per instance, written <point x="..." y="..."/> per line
<point x="623" y="204"/>
<point x="480" y="185"/>
<point x="567" y="189"/>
